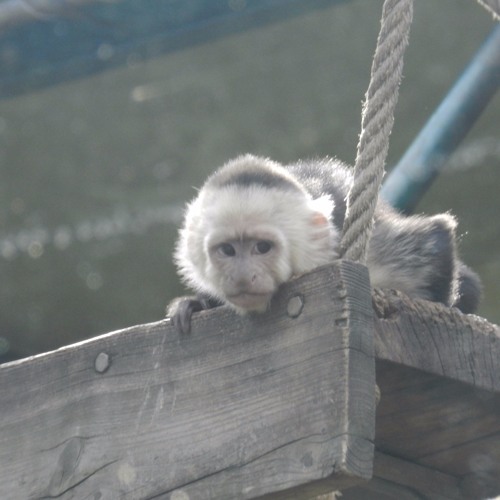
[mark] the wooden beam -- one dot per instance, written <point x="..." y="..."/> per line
<point x="440" y="424"/>
<point x="398" y="479"/>
<point x="439" y="374"/>
<point x="437" y="339"/>
<point x="281" y="403"/>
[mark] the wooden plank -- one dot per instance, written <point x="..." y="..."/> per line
<point x="424" y="480"/>
<point x="240" y="408"/>
<point x="397" y="479"/>
<point x="437" y="339"/>
<point x="277" y="406"/>
<point x="441" y="424"/>
<point x="438" y="373"/>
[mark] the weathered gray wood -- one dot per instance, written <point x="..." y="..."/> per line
<point x="442" y="425"/>
<point x="275" y="406"/>
<point x="437" y="339"/>
<point x="441" y="418"/>
<point x="445" y="413"/>
<point x="424" y="480"/>
<point x="397" y="479"/>
<point x="240" y="408"/>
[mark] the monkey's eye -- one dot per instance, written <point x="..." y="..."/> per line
<point x="263" y="246"/>
<point x="227" y="249"/>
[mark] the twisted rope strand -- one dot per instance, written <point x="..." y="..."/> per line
<point x="493" y="6"/>
<point x="376" y="125"/>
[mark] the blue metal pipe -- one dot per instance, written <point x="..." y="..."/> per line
<point x="446" y="128"/>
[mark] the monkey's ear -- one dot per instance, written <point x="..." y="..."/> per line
<point x="318" y="219"/>
<point x="322" y="209"/>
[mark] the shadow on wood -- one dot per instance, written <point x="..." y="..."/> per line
<point x="438" y="420"/>
<point x="280" y="404"/>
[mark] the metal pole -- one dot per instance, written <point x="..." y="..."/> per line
<point x="446" y="128"/>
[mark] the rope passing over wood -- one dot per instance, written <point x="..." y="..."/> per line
<point x="376" y="126"/>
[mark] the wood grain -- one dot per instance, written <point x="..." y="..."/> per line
<point x="437" y="339"/>
<point x="441" y="424"/>
<point x="240" y="408"/>
<point x="278" y="406"/>
<point x="439" y="374"/>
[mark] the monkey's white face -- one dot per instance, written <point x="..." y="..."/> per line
<point x="241" y="241"/>
<point x="248" y="270"/>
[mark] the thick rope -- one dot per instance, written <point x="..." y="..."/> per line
<point x="376" y="126"/>
<point x="493" y="6"/>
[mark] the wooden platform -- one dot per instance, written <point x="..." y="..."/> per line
<point x="438" y="421"/>
<point x="280" y="405"/>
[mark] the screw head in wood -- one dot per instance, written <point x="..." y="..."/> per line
<point x="102" y="362"/>
<point x="295" y="306"/>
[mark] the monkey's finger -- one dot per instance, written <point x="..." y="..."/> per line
<point x="185" y="309"/>
<point x="182" y="323"/>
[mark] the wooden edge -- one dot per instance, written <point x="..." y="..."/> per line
<point x="215" y="403"/>
<point x="437" y="339"/>
<point x="396" y="478"/>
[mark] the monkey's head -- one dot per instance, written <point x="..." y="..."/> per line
<point x="251" y="228"/>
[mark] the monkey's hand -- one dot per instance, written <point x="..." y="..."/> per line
<point x="182" y="308"/>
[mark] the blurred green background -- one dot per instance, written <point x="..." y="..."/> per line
<point x="94" y="172"/>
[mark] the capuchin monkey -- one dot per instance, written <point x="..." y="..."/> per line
<point x="255" y="224"/>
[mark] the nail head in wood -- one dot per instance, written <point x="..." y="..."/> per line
<point x="295" y="306"/>
<point x="102" y="362"/>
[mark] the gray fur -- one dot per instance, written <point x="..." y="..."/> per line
<point x="415" y="254"/>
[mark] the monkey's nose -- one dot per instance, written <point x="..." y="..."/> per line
<point x="244" y="282"/>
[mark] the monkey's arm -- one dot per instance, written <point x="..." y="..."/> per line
<point x="181" y="309"/>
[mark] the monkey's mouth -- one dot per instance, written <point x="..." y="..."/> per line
<point x="250" y="301"/>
